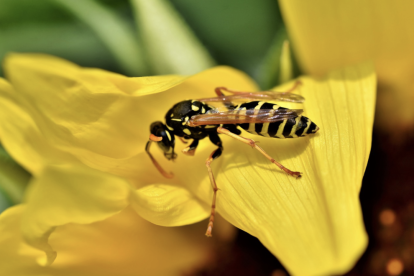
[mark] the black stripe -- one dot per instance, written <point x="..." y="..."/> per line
<point x="273" y="127"/>
<point x="249" y="105"/>
<point x="282" y="108"/>
<point x="304" y="124"/>
<point x="249" y="110"/>
<point x="288" y="127"/>
<point x="244" y="126"/>
<point x="233" y="129"/>
<point x="267" y="106"/>
<point x="311" y="128"/>
<point x="258" y="127"/>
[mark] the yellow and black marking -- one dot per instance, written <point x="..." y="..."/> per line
<point x="288" y="128"/>
<point x="179" y="115"/>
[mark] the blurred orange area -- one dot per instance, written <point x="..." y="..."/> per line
<point x="387" y="217"/>
<point x="395" y="267"/>
<point x="278" y="272"/>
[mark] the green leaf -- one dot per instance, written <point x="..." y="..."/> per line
<point x="13" y="180"/>
<point x="21" y="12"/>
<point x="169" y="42"/>
<point x="79" y="45"/>
<point x="5" y="201"/>
<point x="271" y="73"/>
<point x="238" y="33"/>
<point x="114" y="31"/>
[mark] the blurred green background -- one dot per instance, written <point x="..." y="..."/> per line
<point x="245" y="34"/>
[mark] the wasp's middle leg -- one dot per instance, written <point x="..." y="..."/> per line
<point x="190" y="150"/>
<point x="215" y="139"/>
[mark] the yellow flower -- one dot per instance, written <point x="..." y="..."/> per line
<point x="60" y="119"/>
<point x="97" y="234"/>
<point x="331" y="34"/>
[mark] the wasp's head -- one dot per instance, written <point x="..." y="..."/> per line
<point x="164" y="139"/>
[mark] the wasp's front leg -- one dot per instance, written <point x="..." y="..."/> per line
<point x="190" y="150"/>
<point x="215" y="139"/>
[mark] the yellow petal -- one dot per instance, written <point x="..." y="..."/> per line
<point x="70" y="194"/>
<point x="12" y="247"/>
<point x="331" y="34"/>
<point x="102" y="118"/>
<point x="67" y="122"/>
<point x="21" y="137"/>
<point x="169" y="205"/>
<point x="313" y="224"/>
<point x="123" y="245"/>
<point x="72" y="106"/>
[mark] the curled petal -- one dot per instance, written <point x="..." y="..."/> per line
<point x="169" y="205"/>
<point x="69" y="194"/>
<point x="124" y="244"/>
<point x="21" y="136"/>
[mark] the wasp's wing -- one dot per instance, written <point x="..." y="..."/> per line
<point x="242" y="116"/>
<point x="263" y="95"/>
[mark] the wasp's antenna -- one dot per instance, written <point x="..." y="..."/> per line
<point x="154" y="138"/>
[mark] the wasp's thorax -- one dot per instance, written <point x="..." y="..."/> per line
<point x="179" y="115"/>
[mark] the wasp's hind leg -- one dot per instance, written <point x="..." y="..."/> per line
<point x="190" y="150"/>
<point x="228" y="104"/>
<point x="253" y="144"/>
<point x="215" y="139"/>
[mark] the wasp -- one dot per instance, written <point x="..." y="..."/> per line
<point x="196" y="120"/>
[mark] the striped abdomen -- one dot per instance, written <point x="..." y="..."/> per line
<point x="288" y="128"/>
